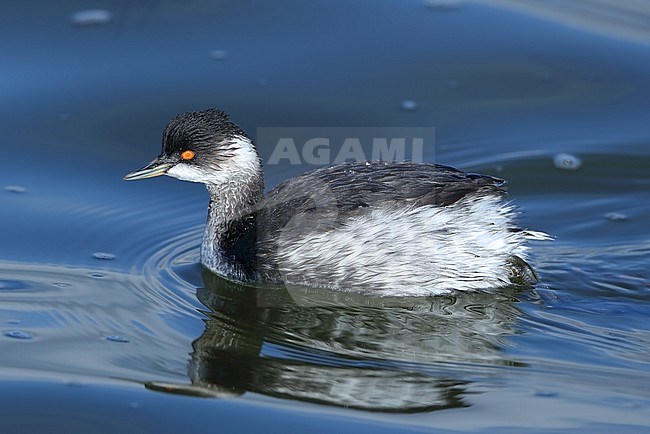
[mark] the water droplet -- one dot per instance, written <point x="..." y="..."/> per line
<point x="11" y="285"/>
<point x="409" y="105"/>
<point x="445" y="5"/>
<point x="98" y="275"/>
<point x="452" y="84"/>
<point x="104" y="256"/>
<point x="18" y="334"/>
<point x="91" y="17"/>
<point x="546" y="394"/>
<point x="15" y="189"/>
<point x="567" y="161"/>
<point x="218" y="54"/>
<point x="616" y="216"/>
<point x="546" y="76"/>
<point x="61" y="284"/>
<point x="117" y="338"/>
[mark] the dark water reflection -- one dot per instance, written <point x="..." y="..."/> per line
<point x="347" y="350"/>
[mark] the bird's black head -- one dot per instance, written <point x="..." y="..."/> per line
<point x="203" y="146"/>
<point x="203" y="133"/>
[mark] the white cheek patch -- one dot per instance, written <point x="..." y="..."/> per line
<point x="187" y="172"/>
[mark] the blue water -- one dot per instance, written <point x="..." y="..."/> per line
<point x="109" y="324"/>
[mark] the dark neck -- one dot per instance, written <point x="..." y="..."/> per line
<point x="230" y="203"/>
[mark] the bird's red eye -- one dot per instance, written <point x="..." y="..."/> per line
<point x="187" y="155"/>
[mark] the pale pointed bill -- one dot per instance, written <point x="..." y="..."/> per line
<point x="155" y="168"/>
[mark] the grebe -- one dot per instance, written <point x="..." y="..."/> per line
<point x="387" y="228"/>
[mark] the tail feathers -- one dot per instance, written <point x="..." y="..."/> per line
<point x="531" y="235"/>
<point x="537" y="235"/>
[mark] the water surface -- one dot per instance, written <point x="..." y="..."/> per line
<point x="108" y="322"/>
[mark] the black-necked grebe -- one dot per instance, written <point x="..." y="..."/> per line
<point x="389" y="228"/>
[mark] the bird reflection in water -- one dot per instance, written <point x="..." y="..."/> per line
<point x="347" y="350"/>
